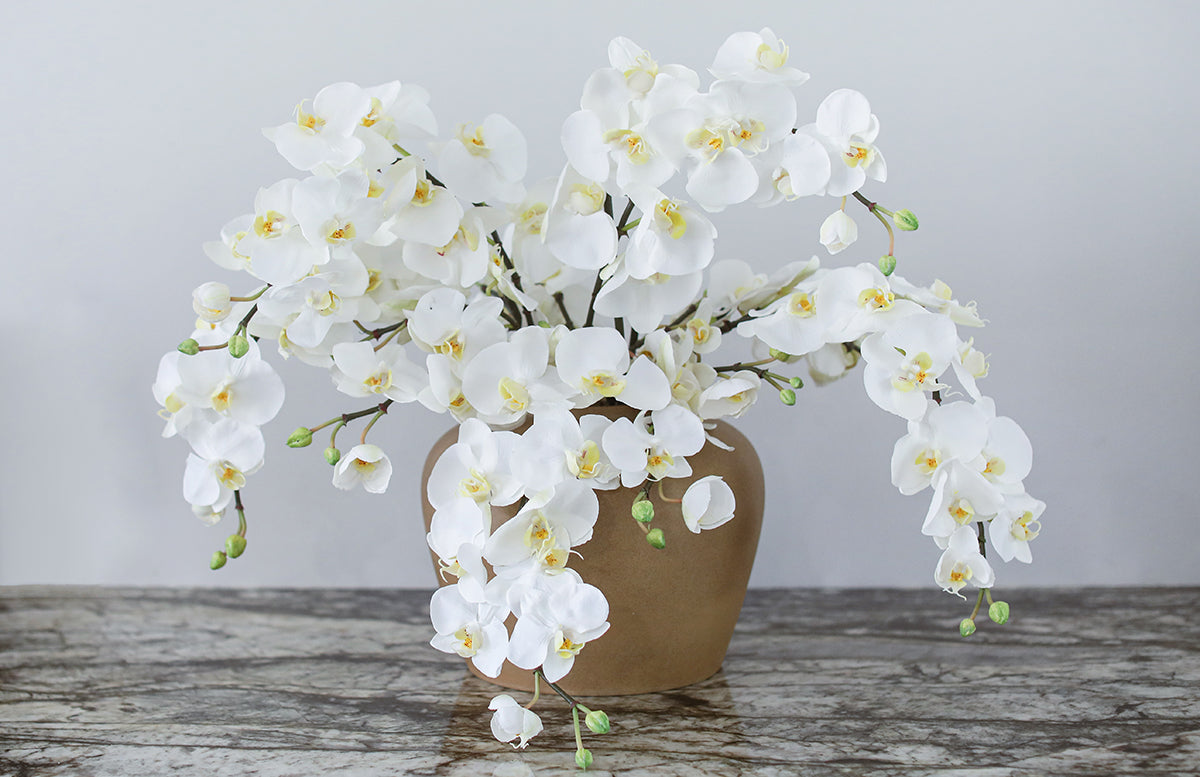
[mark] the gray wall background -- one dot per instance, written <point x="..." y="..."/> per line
<point x="1049" y="150"/>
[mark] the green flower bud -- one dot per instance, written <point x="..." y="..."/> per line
<point x="906" y="220"/>
<point x="235" y="545"/>
<point x="301" y="438"/>
<point x="189" y="347"/>
<point x="787" y="397"/>
<point x="597" y="722"/>
<point x="966" y="627"/>
<point x="887" y="264"/>
<point x="583" y="758"/>
<point x="238" y="346"/>
<point x="643" y="511"/>
<point x="332" y="456"/>
<point x="655" y="538"/>
<point x="796" y="383"/>
<point x="217" y="561"/>
<point x="998" y="611"/>
<point x="779" y="355"/>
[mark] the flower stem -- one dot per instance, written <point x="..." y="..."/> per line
<point x="663" y="496"/>
<point x="537" y="691"/>
<point x="241" y="511"/>
<point x="253" y="296"/>
<point x="978" y="602"/>
<point x="878" y="212"/>
<point x="382" y="412"/>
<point x="562" y="307"/>
<point x="743" y="365"/>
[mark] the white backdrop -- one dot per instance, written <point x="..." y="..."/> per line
<point x="1048" y="149"/>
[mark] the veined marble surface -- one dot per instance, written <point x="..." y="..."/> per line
<point x="133" y="683"/>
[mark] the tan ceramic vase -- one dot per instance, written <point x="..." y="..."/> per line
<point x="672" y="611"/>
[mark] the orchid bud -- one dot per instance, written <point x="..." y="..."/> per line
<point x="906" y="220"/>
<point x="332" y="456"/>
<point x="787" y="397"/>
<point x="780" y="356"/>
<point x="597" y="722"/>
<point x="238" y="346"/>
<point x="301" y="438"/>
<point x="887" y="264"/>
<point x="217" y="561"/>
<point x="583" y="758"/>
<point x="643" y="510"/>
<point x="656" y="539"/>
<point x="211" y="302"/>
<point x="235" y="545"/>
<point x="796" y="382"/>
<point x="998" y="611"/>
<point x="189" y="347"/>
<point x="966" y="627"/>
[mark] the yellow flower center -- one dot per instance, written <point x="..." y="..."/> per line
<point x="802" y="305"/>
<point x="270" y="224"/>
<point x="961" y="511"/>
<point x="230" y="476"/>
<point x="1025" y="528"/>
<point x="668" y="218"/>
<point x="472" y="139"/>
<point x="876" y="299"/>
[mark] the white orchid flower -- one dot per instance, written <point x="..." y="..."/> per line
<point x="1007" y="456"/>
<point x="961" y="497"/>
<point x="938" y="298"/>
<point x="444" y="323"/>
<point x="361" y="371"/>
<point x="792" y="324"/>
<point x="418" y="209"/>
<point x="756" y="56"/>
<point x="477" y="466"/>
<point x="646" y="303"/>
<point x="366" y="465"/>
<point x="954" y="431"/>
<point x="594" y="361"/>
<point x="672" y="238"/>
<point x="505" y="381"/>
<point x="729" y="396"/>
<point x="471" y="629"/>
<point x="577" y="231"/>
<point x="905" y="361"/>
<point x="246" y="389"/>
<point x="559" y="447"/>
<point x="460" y="262"/>
<point x="857" y="301"/>
<point x="654" y="445"/>
<point x="337" y="212"/>
<point x="847" y="129"/>
<point x="223" y="454"/>
<point x="512" y="721"/>
<point x="1017" y="523"/>
<point x="308" y="309"/>
<point x="275" y="248"/>
<point x="323" y="135"/>
<point x="540" y="537"/>
<point x="485" y="163"/>
<point x="962" y="563"/>
<point x="557" y="620"/>
<point x="838" y="232"/>
<point x="707" y="504"/>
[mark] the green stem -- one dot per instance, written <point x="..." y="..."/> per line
<point x="380" y="414"/>
<point x="578" y="733"/>
<point x="978" y="602"/>
<point x="537" y="692"/>
<point x="241" y="511"/>
<point x="877" y="211"/>
<point x="744" y="365"/>
<point x="253" y="296"/>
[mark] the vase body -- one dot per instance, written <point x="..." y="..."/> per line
<point x="672" y="610"/>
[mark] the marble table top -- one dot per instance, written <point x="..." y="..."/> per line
<point x="133" y="682"/>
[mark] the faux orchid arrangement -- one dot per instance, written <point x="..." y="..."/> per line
<point x="417" y="270"/>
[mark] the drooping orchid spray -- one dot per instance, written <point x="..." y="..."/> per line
<point x="414" y="267"/>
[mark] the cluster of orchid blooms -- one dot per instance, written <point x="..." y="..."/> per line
<point x="421" y="270"/>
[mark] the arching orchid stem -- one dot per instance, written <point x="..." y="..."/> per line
<point x="382" y="412"/>
<point x="537" y="691"/>
<point x="982" y="541"/>
<point x="878" y="211"/>
<point x="684" y="316"/>
<point x="663" y="496"/>
<point x="744" y="365"/>
<point x="241" y="511"/>
<point x="253" y="296"/>
<point x="591" y="314"/>
<point x="346" y="418"/>
<point x="623" y="225"/>
<point x="562" y="307"/>
<point x="578" y="733"/>
<point x="391" y="335"/>
<point x="246" y="320"/>
<point x="978" y="603"/>
<point x="843" y="208"/>
<point x="988" y="592"/>
<point x="375" y="334"/>
<point x="214" y="347"/>
<point x="568" y="698"/>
